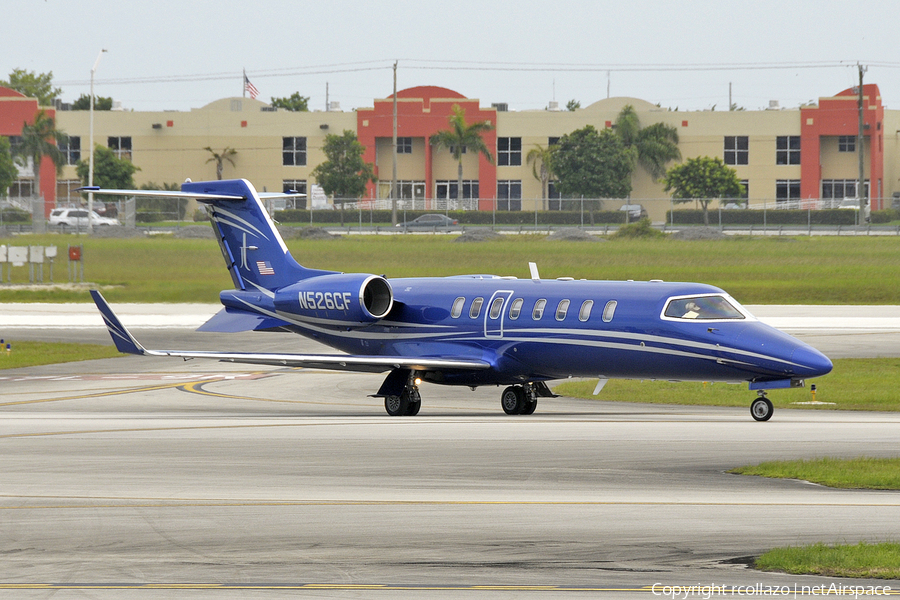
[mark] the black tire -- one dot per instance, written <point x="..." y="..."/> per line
<point x="513" y="400"/>
<point x="396" y="406"/>
<point x="761" y="409"/>
<point x="413" y="408"/>
<point x="529" y="406"/>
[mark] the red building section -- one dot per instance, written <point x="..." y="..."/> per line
<point x="15" y="111"/>
<point x="421" y="112"/>
<point x="839" y="116"/>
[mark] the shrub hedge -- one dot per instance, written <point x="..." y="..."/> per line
<point x="465" y="217"/>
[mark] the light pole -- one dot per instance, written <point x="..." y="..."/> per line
<point x="91" y="148"/>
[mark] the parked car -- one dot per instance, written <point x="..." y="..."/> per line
<point x="429" y="222"/>
<point x="78" y="218"/>
<point x="635" y="211"/>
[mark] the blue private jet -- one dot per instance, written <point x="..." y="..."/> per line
<point x="476" y="330"/>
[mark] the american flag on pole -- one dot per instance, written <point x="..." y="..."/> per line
<point x="264" y="267"/>
<point x="249" y="87"/>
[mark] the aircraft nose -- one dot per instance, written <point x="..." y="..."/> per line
<point x="812" y="363"/>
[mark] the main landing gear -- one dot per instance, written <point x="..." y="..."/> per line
<point x="407" y="403"/>
<point x="761" y="409"/>
<point x="519" y="400"/>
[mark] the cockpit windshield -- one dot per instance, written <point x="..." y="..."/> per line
<point x="702" y="307"/>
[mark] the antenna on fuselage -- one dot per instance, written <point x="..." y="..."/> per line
<point x="534" y="271"/>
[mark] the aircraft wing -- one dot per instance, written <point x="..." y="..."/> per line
<point x="126" y="342"/>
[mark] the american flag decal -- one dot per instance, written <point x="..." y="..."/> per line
<point x="264" y="267"/>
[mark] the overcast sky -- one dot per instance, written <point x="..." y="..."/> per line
<point x="184" y="54"/>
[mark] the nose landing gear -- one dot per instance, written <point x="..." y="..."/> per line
<point x="761" y="409"/>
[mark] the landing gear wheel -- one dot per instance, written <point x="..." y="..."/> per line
<point x="396" y="405"/>
<point x="528" y="408"/>
<point x="761" y="409"/>
<point x="513" y="400"/>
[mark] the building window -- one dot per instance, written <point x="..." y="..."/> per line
<point x="70" y="146"/>
<point x="294" y="185"/>
<point x="838" y="189"/>
<point x="787" y="150"/>
<point x="847" y="143"/>
<point x="737" y="150"/>
<point x="447" y="189"/>
<point x="21" y="188"/>
<point x="552" y="141"/>
<point x="787" y="189"/>
<point x="65" y="191"/>
<point x="509" y="152"/>
<point x="404" y="145"/>
<point x="509" y="195"/>
<point x="745" y="189"/>
<point x="120" y="145"/>
<point x="293" y="151"/>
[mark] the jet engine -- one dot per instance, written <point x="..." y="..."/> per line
<point x="342" y="298"/>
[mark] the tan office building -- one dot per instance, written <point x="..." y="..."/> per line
<point x="806" y="156"/>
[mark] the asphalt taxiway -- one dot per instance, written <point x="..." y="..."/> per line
<point x="135" y="477"/>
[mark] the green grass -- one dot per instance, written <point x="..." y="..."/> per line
<point x="876" y="561"/>
<point x="854" y="384"/>
<point x="801" y="270"/>
<point x="853" y="473"/>
<point x="31" y="354"/>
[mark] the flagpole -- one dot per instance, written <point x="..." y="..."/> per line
<point x="244" y="83"/>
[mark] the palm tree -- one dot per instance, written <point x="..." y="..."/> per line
<point x="544" y="157"/>
<point x="460" y="137"/>
<point x="40" y="139"/>
<point x="219" y="159"/>
<point x="653" y="146"/>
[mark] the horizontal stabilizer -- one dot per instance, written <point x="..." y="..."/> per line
<point x="232" y="320"/>
<point x="121" y="337"/>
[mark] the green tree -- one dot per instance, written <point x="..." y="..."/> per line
<point x="8" y="171"/>
<point x="573" y="105"/>
<point x="33" y="85"/>
<point x="100" y="103"/>
<point x="296" y="103"/>
<point x="592" y="164"/>
<point x="654" y="146"/>
<point x="541" y="161"/>
<point x="703" y="179"/>
<point x="219" y="158"/>
<point x="460" y="138"/>
<point x="40" y="139"/>
<point x="110" y="172"/>
<point x="344" y="173"/>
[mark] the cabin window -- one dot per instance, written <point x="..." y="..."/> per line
<point x="609" y="310"/>
<point x="516" y="308"/>
<point x="476" y="307"/>
<point x="702" y="307"/>
<point x="456" y="310"/>
<point x="585" y="313"/>
<point x="561" y="309"/>
<point x="538" y="311"/>
<point x="496" y="307"/>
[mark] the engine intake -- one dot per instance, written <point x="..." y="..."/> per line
<point x="345" y="298"/>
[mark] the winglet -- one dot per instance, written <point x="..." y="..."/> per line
<point x="121" y="337"/>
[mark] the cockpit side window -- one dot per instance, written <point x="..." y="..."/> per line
<point x="702" y="307"/>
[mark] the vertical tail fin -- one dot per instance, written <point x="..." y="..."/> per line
<point x="254" y="251"/>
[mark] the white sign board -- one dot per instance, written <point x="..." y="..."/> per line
<point x="317" y="197"/>
<point x="18" y="255"/>
<point x="2" y="254"/>
<point x="35" y="254"/>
